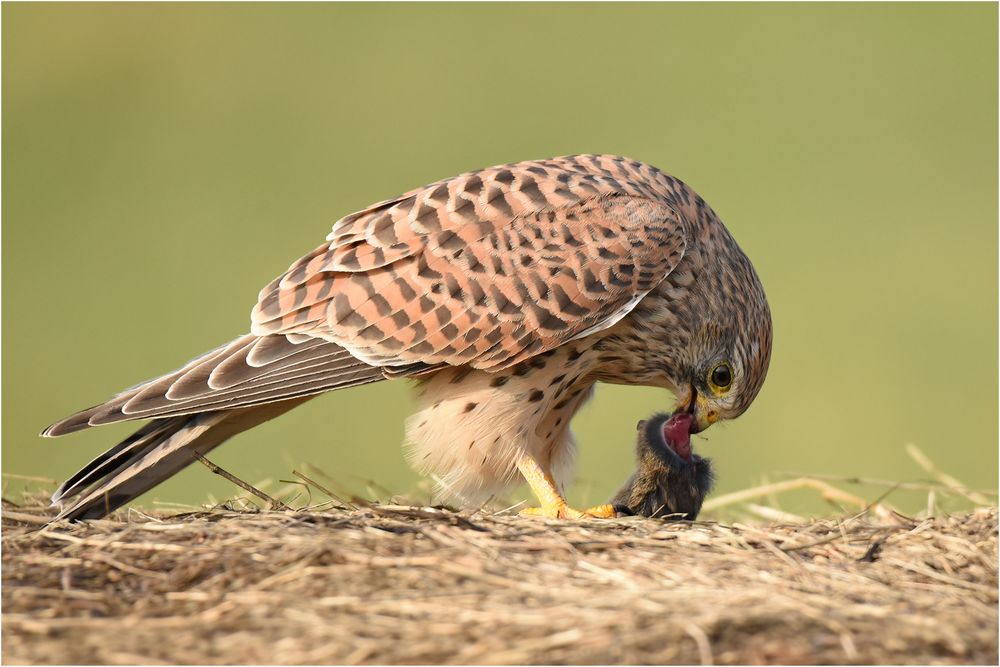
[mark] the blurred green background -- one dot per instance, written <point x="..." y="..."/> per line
<point x="161" y="163"/>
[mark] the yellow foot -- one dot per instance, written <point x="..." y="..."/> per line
<point x="602" y="512"/>
<point x="553" y="505"/>
<point x="564" y="511"/>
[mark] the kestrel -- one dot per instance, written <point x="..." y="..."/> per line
<point x="506" y="293"/>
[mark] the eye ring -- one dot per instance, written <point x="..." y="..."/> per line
<point x="720" y="378"/>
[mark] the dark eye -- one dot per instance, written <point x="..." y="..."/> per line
<point x="722" y="376"/>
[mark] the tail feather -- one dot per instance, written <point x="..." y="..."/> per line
<point x="198" y="406"/>
<point x="155" y="452"/>
<point x="129" y="449"/>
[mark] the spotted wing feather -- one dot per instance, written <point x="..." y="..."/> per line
<point x="487" y="268"/>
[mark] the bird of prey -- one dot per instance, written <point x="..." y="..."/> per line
<point x="506" y="294"/>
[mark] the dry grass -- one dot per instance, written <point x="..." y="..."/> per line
<point x="393" y="584"/>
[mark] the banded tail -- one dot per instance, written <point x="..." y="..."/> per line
<point x="198" y="407"/>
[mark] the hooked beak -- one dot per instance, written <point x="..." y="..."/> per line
<point x="698" y="407"/>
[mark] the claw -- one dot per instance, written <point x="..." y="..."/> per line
<point x="557" y="511"/>
<point x="564" y="511"/>
<point x="601" y="512"/>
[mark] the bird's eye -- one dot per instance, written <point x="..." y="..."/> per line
<point x="721" y="377"/>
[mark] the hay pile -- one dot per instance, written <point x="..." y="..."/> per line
<point x="392" y="584"/>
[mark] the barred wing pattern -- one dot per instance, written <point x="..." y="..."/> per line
<point x="485" y="269"/>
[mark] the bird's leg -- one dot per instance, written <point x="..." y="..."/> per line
<point x="553" y="505"/>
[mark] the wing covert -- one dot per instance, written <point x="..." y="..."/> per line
<point x="487" y="268"/>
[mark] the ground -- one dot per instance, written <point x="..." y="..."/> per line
<point x="393" y="584"/>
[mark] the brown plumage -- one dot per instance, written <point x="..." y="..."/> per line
<point x="664" y="483"/>
<point x="512" y="290"/>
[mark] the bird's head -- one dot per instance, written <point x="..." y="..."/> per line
<point x="727" y="354"/>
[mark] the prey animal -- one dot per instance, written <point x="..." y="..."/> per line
<point x="506" y="293"/>
<point x="671" y="480"/>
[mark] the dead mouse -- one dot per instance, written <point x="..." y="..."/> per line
<point x="670" y="479"/>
